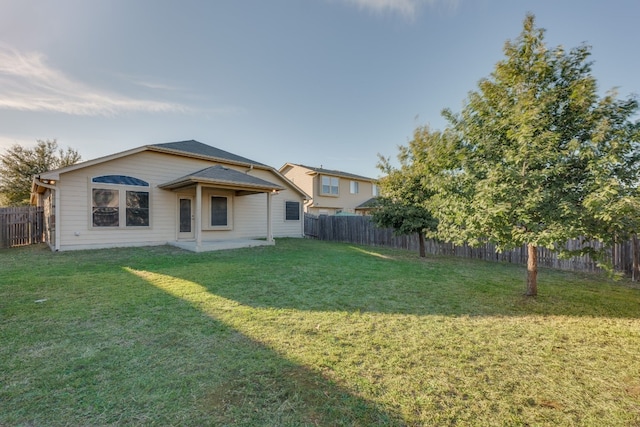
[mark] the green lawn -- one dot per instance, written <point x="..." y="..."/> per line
<point x="310" y="333"/>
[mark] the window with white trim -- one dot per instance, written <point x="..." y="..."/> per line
<point x="354" y="187"/>
<point x="119" y="201"/>
<point x="374" y="190"/>
<point x="219" y="211"/>
<point x="291" y="211"/>
<point x="330" y="185"/>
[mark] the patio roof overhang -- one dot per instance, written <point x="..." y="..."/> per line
<point x="221" y="177"/>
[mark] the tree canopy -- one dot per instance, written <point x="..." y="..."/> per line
<point x="536" y="157"/>
<point x="19" y="164"/>
<point x="403" y="201"/>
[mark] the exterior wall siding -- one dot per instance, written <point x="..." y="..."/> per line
<point x="249" y="212"/>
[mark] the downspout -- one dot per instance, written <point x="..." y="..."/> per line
<point x="304" y="212"/>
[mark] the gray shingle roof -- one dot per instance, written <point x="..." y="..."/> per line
<point x="223" y="176"/>
<point x="198" y="148"/>
<point x="338" y="173"/>
<point x="369" y="204"/>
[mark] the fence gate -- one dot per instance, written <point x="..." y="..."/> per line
<point x="21" y="226"/>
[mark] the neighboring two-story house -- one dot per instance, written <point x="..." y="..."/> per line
<point x="332" y="192"/>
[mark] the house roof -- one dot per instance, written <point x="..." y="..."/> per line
<point x="190" y="148"/>
<point x="369" y="204"/>
<point x="224" y="177"/>
<point x="332" y="172"/>
<point x="197" y="148"/>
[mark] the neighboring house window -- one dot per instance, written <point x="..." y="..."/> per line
<point x="118" y="200"/>
<point x="219" y="211"/>
<point x="353" y="187"/>
<point x="330" y="185"/>
<point x="374" y="190"/>
<point x="292" y="211"/>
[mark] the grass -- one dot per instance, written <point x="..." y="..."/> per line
<point x="310" y="333"/>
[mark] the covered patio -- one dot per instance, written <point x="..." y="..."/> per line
<point x="192" y="236"/>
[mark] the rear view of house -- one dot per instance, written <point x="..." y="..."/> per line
<point x="332" y="192"/>
<point x="185" y="193"/>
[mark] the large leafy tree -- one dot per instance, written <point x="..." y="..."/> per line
<point x="19" y="164"/>
<point x="404" y="204"/>
<point x="541" y="158"/>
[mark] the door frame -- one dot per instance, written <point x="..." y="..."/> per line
<point x="190" y="235"/>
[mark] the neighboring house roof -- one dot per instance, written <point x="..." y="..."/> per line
<point x="369" y="204"/>
<point x="220" y="175"/>
<point x="329" y="172"/>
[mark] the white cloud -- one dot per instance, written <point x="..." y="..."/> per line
<point x="7" y="142"/>
<point x="408" y="8"/>
<point x="28" y="83"/>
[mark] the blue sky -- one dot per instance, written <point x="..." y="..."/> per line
<point x="327" y="83"/>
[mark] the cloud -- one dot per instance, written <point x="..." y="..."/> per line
<point x="28" y="83"/>
<point x="407" y="8"/>
<point x="7" y="142"/>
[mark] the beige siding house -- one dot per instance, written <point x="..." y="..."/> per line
<point x="184" y="193"/>
<point x="332" y="192"/>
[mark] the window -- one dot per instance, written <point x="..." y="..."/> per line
<point x="219" y="217"/>
<point x="137" y="209"/>
<point x="374" y="190"/>
<point x="118" y="200"/>
<point x="292" y="211"/>
<point x="353" y="187"/>
<point x="330" y="185"/>
<point x="105" y="208"/>
<point x="120" y="180"/>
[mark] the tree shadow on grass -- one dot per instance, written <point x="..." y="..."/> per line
<point x="341" y="277"/>
<point x="256" y="384"/>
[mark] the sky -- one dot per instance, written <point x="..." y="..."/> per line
<point x="324" y="83"/>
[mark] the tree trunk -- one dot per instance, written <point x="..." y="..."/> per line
<point x="532" y="270"/>
<point x="635" y="275"/>
<point x="423" y="252"/>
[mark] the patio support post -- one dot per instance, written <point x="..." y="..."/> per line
<point x="198" y="216"/>
<point x="56" y="219"/>
<point x="269" y="225"/>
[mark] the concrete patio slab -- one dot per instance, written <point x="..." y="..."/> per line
<point x="219" y="245"/>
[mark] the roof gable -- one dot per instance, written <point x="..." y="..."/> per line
<point x="190" y="148"/>
<point x="222" y="176"/>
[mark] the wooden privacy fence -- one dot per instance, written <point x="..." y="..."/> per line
<point x="21" y="226"/>
<point x="361" y="230"/>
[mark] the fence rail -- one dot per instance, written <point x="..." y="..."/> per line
<point x="361" y="230"/>
<point x="21" y="226"/>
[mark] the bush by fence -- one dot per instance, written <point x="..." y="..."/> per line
<point x="361" y="230"/>
<point x="21" y="226"/>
